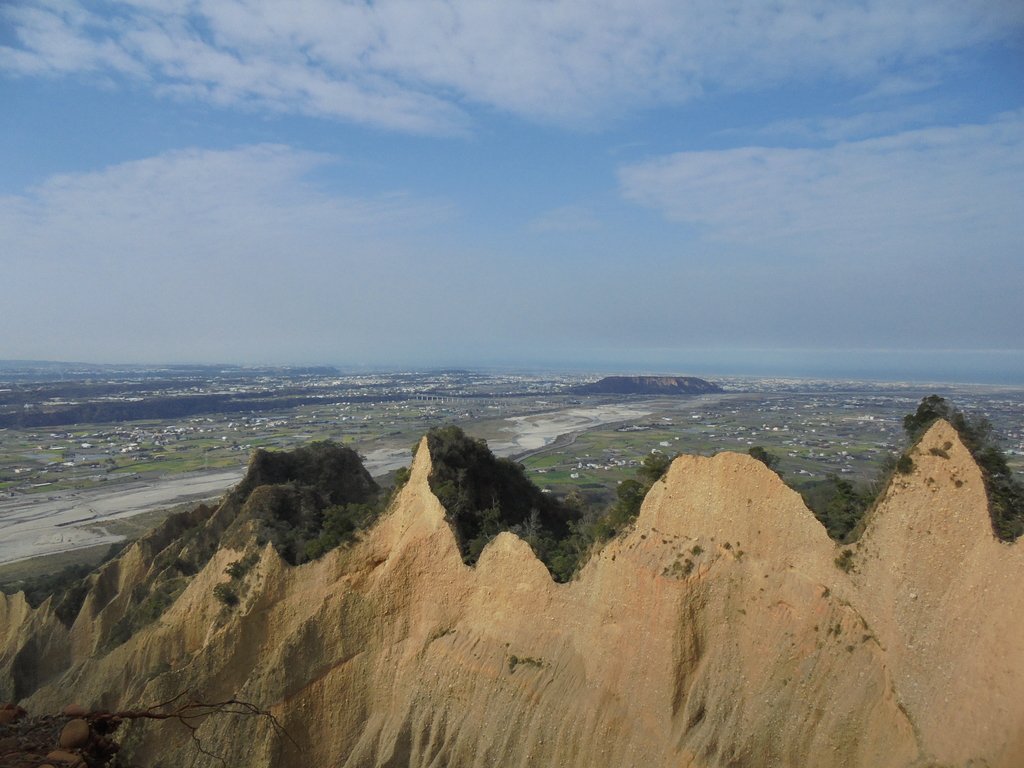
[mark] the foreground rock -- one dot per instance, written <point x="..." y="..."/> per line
<point x="718" y="631"/>
<point x="54" y="740"/>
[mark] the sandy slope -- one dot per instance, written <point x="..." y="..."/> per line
<point x="717" y="632"/>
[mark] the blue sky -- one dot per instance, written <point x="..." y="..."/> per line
<point x="691" y="186"/>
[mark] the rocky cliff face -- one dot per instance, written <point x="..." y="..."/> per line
<point x="718" y="631"/>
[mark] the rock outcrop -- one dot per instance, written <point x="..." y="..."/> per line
<point x="718" y="631"/>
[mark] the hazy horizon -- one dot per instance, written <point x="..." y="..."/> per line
<point x="894" y="366"/>
<point x="802" y="187"/>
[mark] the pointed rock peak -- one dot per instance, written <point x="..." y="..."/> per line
<point x="732" y="497"/>
<point x="13" y="600"/>
<point x="12" y="609"/>
<point x="508" y="554"/>
<point x="724" y="464"/>
<point x="416" y="497"/>
<point x="422" y="464"/>
<point x="941" y="437"/>
<point x="415" y="510"/>
<point x="943" y="463"/>
<point x="940" y="496"/>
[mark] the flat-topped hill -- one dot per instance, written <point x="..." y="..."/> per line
<point x="648" y="385"/>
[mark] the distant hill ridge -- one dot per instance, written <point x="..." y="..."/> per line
<point x="648" y="385"/>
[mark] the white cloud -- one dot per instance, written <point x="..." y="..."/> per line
<point x="184" y="254"/>
<point x="568" y="218"/>
<point x="912" y="195"/>
<point x="416" y="65"/>
<point x="856" y="126"/>
<point x="194" y="203"/>
<point x="900" y="85"/>
<point x="59" y="40"/>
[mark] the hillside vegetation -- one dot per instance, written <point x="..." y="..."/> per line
<point x="1005" y="492"/>
<point x="309" y="500"/>
<point x="485" y="495"/>
<point x="840" y="505"/>
<point x="719" y="628"/>
<point x="305" y="502"/>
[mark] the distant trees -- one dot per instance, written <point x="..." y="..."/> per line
<point x="840" y="505"/>
<point x="653" y="467"/>
<point x="1005" y="492"/>
<point x="630" y="496"/>
<point x="931" y="409"/>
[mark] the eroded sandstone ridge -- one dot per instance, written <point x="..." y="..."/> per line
<point x="718" y="631"/>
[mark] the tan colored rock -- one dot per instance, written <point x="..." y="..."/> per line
<point x="75" y="734"/>
<point x="718" y="631"/>
<point x="75" y="710"/>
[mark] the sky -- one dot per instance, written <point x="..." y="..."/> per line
<point x="681" y="186"/>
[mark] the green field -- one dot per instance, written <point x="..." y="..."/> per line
<point x="813" y="435"/>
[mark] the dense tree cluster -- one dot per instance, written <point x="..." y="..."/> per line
<point x="309" y="500"/>
<point x="485" y="495"/>
<point x="838" y="504"/>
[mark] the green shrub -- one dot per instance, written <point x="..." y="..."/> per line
<point x="517" y="661"/>
<point x="838" y="504"/>
<point x="310" y="500"/>
<point x="845" y="560"/>
<point x="239" y="568"/>
<point x="484" y="496"/>
<point x="770" y="460"/>
<point x="226" y="594"/>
